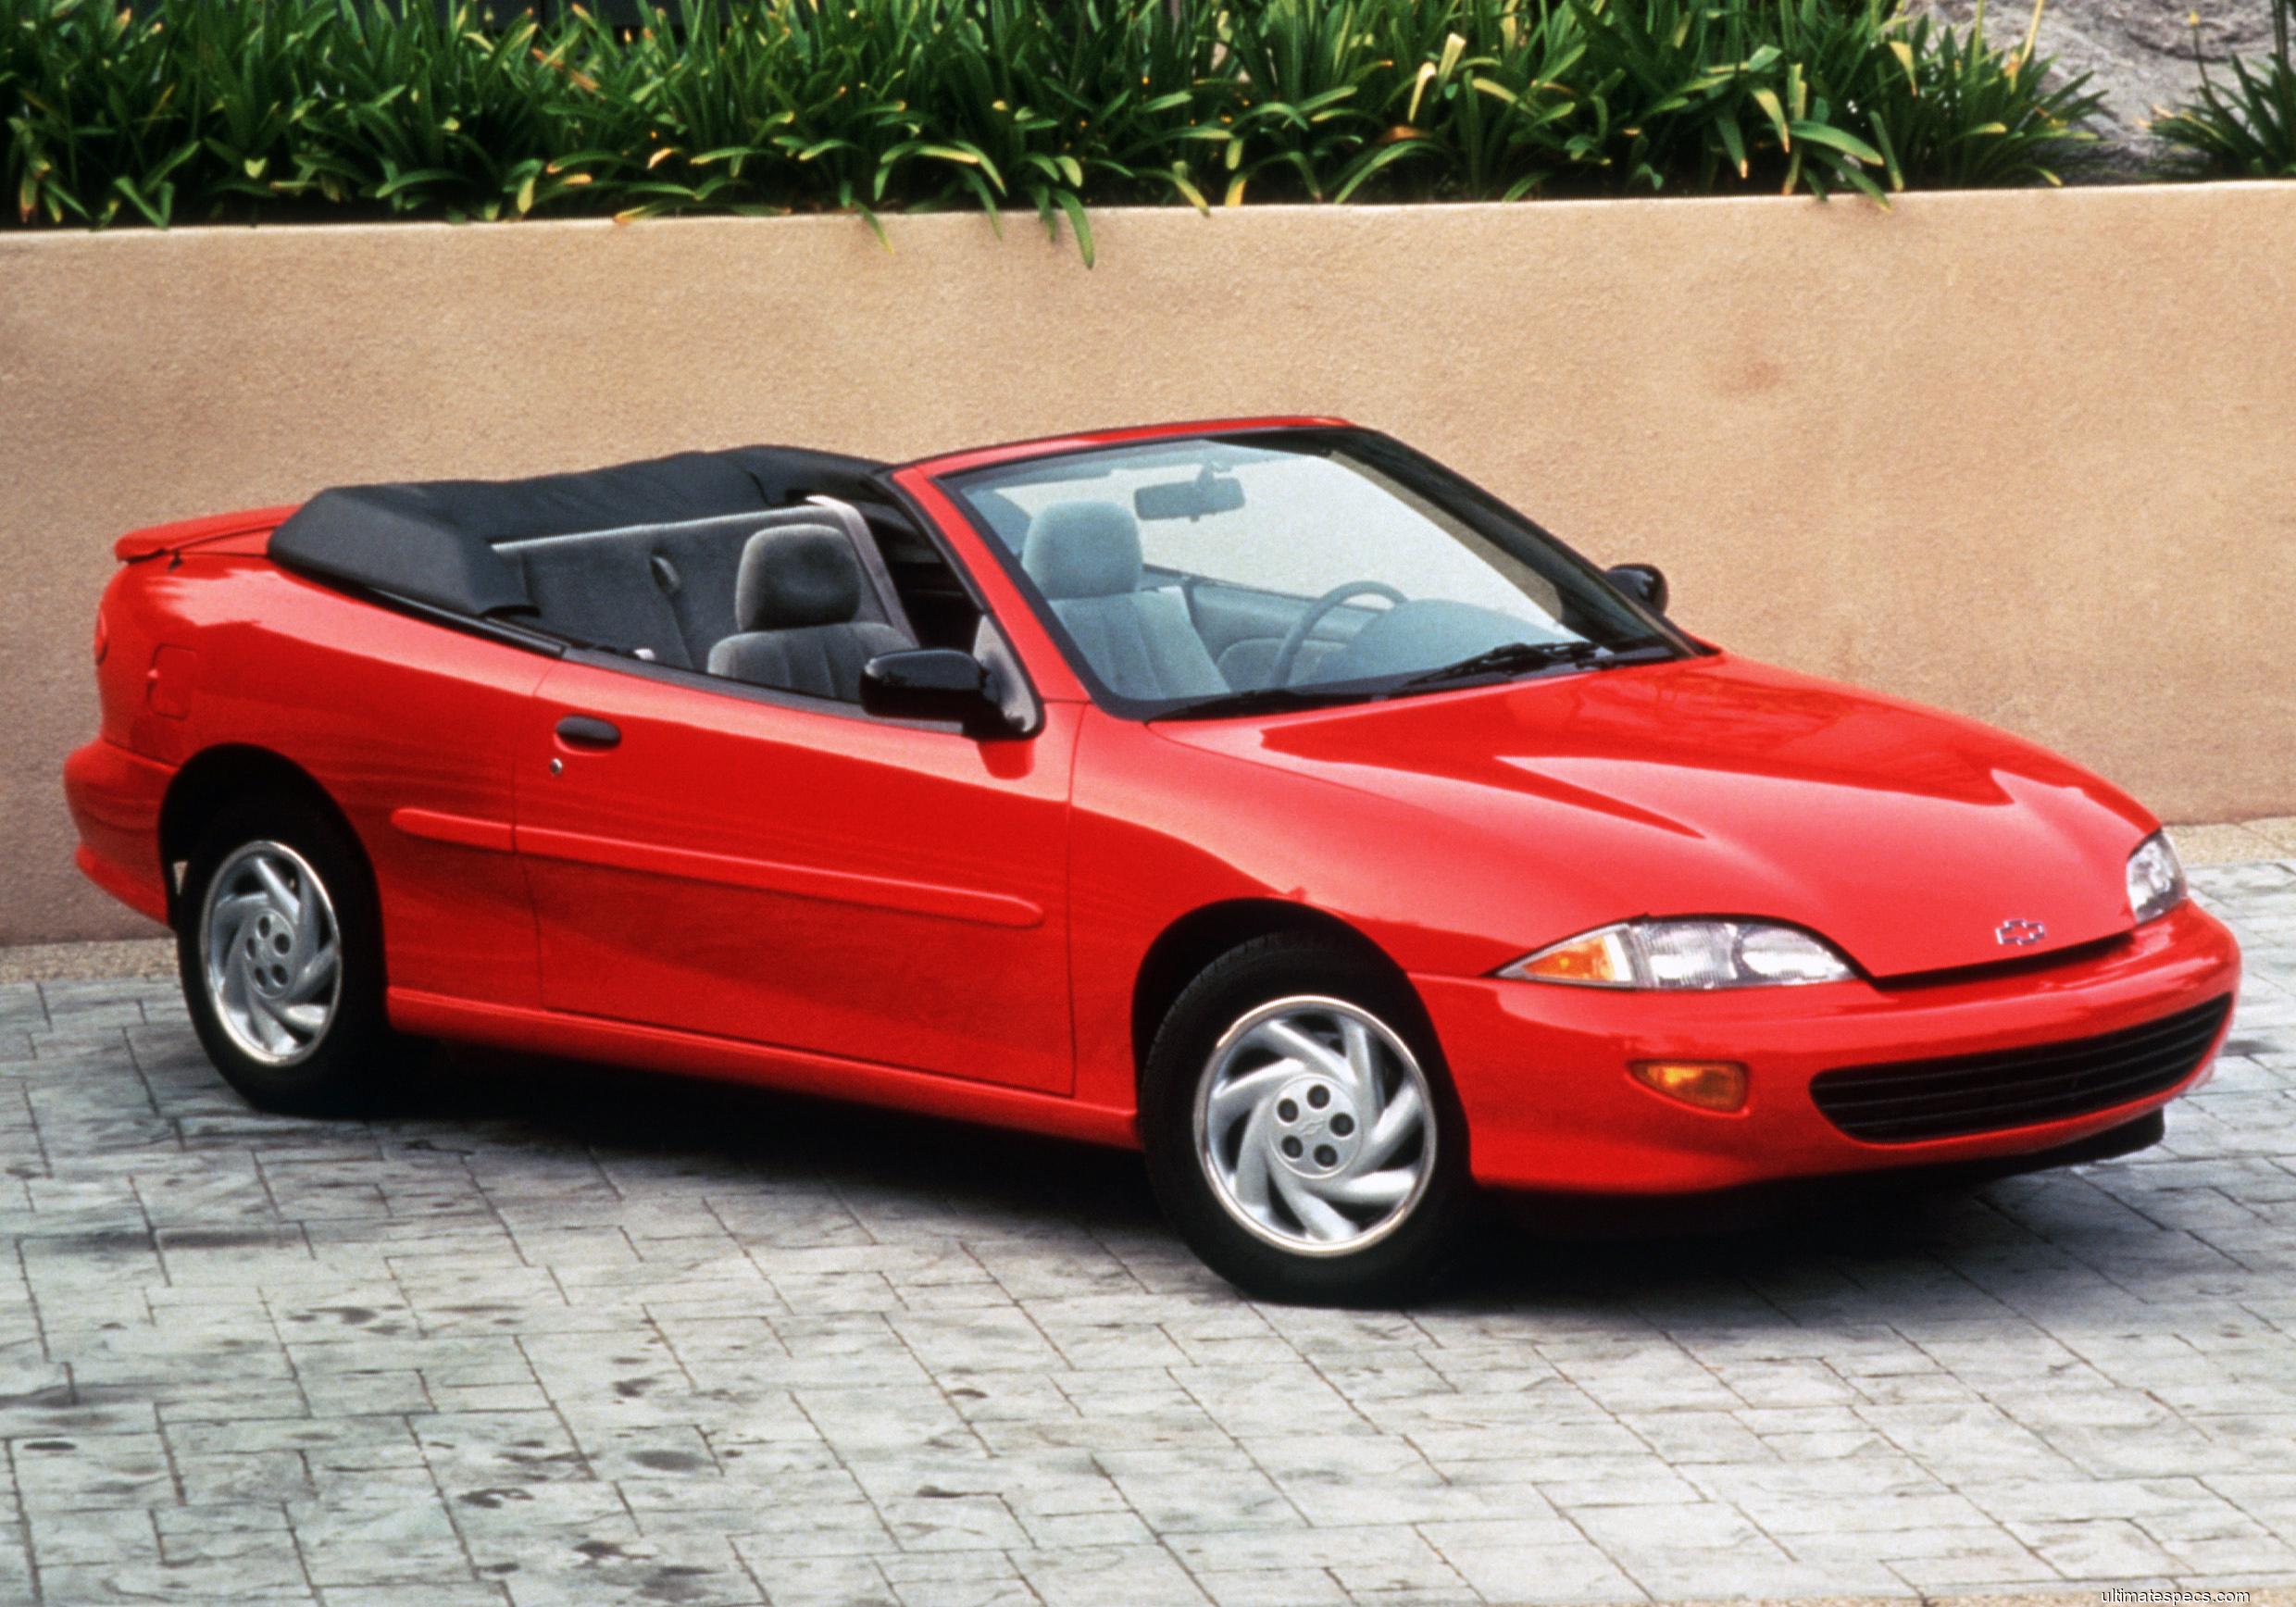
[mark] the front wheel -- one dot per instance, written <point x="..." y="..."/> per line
<point x="1301" y="1132"/>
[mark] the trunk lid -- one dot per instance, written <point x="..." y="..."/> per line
<point x="248" y="532"/>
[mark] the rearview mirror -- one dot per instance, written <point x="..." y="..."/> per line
<point x="931" y="683"/>
<point x="1646" y="583"/>
<point x="1190" y="499"/>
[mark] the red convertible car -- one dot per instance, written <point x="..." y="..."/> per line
<point x="1260" y="795"/>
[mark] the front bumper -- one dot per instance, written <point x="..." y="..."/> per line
<point x="1541" y="1070"/>
<point x="114" y="798"/>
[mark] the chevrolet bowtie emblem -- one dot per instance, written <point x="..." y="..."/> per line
<point x="2017" y="934"/>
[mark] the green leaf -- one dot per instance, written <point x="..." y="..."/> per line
<point x="154" y="208"/>
<point x="1848" y="144"/>
<point x="1905" y="53"/>
<point x="1733" y="141"/>
<point x="402" y="182"/>
<point x="1767" y="101"/>
<point x="1372" y="162"/>
<point x="1079" y="222"/>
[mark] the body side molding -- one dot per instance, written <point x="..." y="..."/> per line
<point x="468" y="831"/>
<point x="530" y="1030"/>
<point x="955" y="903"/>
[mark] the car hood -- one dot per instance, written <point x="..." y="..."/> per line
<point x="1908" y="837"/>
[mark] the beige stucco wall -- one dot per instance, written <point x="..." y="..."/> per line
<point x="2028" y="455"/>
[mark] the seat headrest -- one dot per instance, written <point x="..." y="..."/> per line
<point x="1083" y="549"/>
<point x="796" y="576"/>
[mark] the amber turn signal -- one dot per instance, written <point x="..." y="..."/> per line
<point x="1598" y="957"/>
<point x="1711" y="1084"/>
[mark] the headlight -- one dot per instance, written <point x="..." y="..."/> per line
<point x="2155" y="879"/>
<point x="1685" y="954"/>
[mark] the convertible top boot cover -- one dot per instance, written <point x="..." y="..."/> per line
<point x="434" y="541"/>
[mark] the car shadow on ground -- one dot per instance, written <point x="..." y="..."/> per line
<point x="1010" y="1179"/>
<point x="1861" y="1246"/>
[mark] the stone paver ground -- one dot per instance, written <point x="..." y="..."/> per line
<point x="564" y="1336"/>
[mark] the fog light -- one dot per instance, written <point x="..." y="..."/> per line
<point x="1711" y="1084"/>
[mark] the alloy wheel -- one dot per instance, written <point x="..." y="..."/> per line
<point x="269" y="951"/>
<point x="1316" y="1125"/>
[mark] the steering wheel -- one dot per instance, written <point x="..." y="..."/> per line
<point x="1288" y="651"/>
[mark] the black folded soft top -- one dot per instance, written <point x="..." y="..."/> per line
<point x="435" y="542"/>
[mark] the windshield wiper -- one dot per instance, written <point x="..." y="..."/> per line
<point x="1262" y="700"/>
<point x="1514" y="657"/>
<point x="1507" y="658"/>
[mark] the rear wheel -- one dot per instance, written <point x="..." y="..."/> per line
<point x="278" y="944"/>
<point x="1300" y="1132"/>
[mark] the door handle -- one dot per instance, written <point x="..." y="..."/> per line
<point x="588" y="731"/>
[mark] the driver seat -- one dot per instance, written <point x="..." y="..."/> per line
<point x="1085" y="557"/>
<point x="798" y="601"/>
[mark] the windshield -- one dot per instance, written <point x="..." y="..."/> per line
<point x="1215" y="574"/>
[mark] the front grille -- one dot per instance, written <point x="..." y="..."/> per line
<point x="1909" y="1100"/>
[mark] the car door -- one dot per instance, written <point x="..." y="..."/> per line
<point x="748" y="865"/>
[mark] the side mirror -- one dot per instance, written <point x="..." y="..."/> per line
<point x="1646" y="583"/>
<point x="931" y="683"/>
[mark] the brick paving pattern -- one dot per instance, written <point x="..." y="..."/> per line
<point x="552" y="1335"/>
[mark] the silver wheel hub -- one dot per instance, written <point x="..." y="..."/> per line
<point x="1316" y="1132"/>
<point x="1315" y="1125"/>
<point x="268" y="953"/>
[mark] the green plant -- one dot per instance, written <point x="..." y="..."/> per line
<point x="225" y="110"/>
<point x="1962" y="114"/>
<point x="2248" y="126"/>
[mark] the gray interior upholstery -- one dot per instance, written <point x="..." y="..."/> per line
<point x="798" y="601"/>
<point x="666" y="593"/>
<point x="1426" y="631"/>
<point x="1252" y="662"/>
<point x="1082" y="549"/>
<point x="1007" y="519"/>
<point x="797" y="576"/>
<point x="1085" y="557"/>
<point x="611" y="595"/>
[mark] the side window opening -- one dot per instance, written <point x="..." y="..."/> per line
<point x="941" y="610"/>
<point x="792" y="598"/>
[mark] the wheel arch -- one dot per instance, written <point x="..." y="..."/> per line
<point x="214" y="779"/>
<point x="1184" y="949"/>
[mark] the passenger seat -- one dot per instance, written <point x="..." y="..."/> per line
<point x="797" y="602"/>
<point x="1085" y="557"/>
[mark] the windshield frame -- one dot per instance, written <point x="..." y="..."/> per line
<point x="1414" y="471"/>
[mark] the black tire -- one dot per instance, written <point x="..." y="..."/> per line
<point x="1410" y="1251"/>
<point x="338" y="1071"/>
